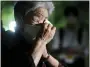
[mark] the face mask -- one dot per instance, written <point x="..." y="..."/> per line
<point x="31" y="31"/>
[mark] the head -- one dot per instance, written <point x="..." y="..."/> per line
<point x="28" y="14"/>
<point x="71" y="14"/>
<point x="32" y="12"/>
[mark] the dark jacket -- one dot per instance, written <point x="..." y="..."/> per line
<point x="14" y="50"/>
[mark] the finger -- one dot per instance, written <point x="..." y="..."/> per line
<point x="53" y="28"/>
<point x="44" y="28"/>
<point x="44" y="20"/>
<point x="45" y="25"/>
<point x="49" y="27"/>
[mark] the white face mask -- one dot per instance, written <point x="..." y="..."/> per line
<point x="31" y="31"/>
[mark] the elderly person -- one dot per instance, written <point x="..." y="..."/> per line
<point x="33" y="33"/>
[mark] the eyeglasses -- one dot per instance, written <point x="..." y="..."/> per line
<point x="38" y="14"/>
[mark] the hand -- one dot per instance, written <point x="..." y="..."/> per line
<point x="45" y="54"/>
<point x="47" y="33"/>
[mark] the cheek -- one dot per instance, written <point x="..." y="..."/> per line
<point x="35" y="18"/>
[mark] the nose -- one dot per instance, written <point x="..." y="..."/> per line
<point x="42" y="20"/>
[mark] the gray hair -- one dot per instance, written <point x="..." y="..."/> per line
<point x="22" y="8"/>
<point x="48" y="5"/>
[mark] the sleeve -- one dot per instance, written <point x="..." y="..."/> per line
<point x="62" y="65"/>
<point x="15" y="58"/>
<point x="31" y="62"/>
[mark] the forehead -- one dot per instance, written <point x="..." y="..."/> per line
<point x="41" y="11"/>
